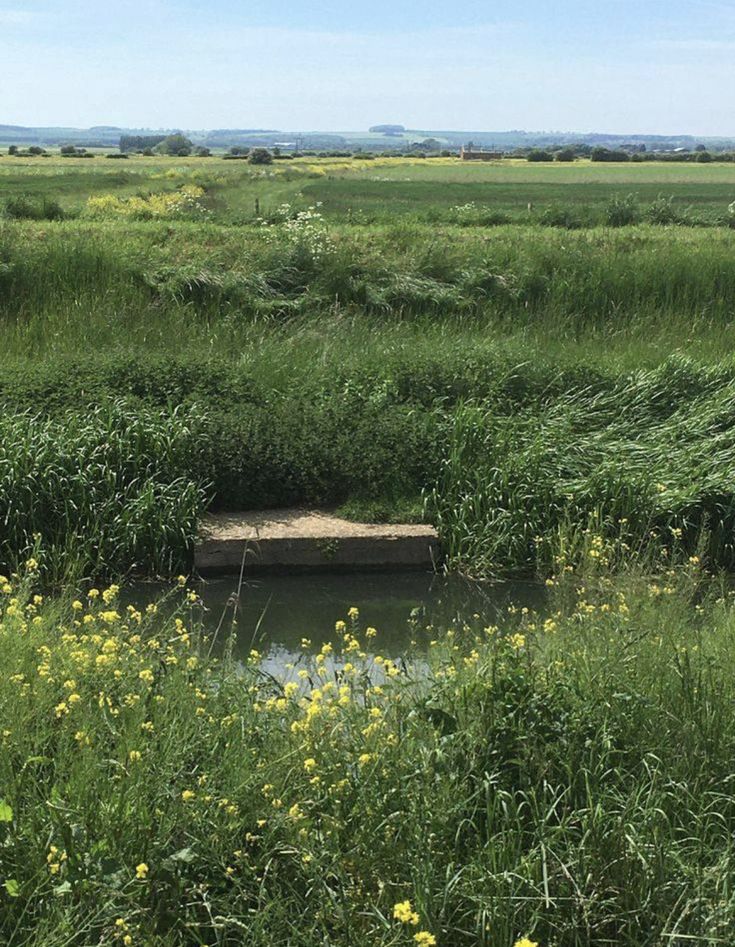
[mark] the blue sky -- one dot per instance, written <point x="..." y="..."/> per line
<point x="583" y="65"/>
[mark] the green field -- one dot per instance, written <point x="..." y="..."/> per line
<point x="324" y="358"/>
<point x="536" y="359"/>
<point x="379" y="189"/>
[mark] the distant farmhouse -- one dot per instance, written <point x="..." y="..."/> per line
<point x="470" y="154"/>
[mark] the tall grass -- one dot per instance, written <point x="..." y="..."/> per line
<point x="503" y="452"/>
<point x="508" y="374"/>
<point x="652" y="453"/>
<point x="106" y="491"/>
<point x="116" y="285"/>
<point x="565" y="779"/>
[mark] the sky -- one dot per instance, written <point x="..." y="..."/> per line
<point x="618" y="66"/>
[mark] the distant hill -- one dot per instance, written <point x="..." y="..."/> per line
<point x="378" y="137"/>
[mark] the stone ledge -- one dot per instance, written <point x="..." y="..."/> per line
<point x="310" y="541"/>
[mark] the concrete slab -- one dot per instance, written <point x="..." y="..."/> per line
<point x="309" y="541"/>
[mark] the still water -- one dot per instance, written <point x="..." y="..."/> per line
<point x="274" y="613"/>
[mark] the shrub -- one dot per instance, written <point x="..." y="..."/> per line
<point x="260" y="156"/>
<point x="622" y="211"/>
<point x="606" y="154"/>
<point x="539" y="155"/>
<point x="663" y="212"/>
<point x="177" y="146"/>
<point x="29" y="208"/>
<point x="560" y="217"/>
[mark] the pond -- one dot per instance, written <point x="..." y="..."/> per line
<point x="274" y="613"/>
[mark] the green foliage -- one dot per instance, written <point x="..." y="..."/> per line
<point x="338" y="333"/>
<point x="663" y="212"/>
<point x="624" y="455"/>
<point x="140" y="142"/>
<point x="498" y="784"/>
<point x="177" y="145"/>
<point x="346" y="362"/>
<point x="28" y="208"/>
<point x="538" y="155"/>
<point x="560" y="217"/>
<point x="608" y="155"/>
<point x="108" y="490"/>
<point x="622" y="211"/>
<point x="260" y="156"/>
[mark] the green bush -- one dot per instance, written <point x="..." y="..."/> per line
<point x="30" y="208"/>
<point x="663" y="212"/>
<point x="560" y="217"/>
<point x="538" y="155"/>
<point x="607" y="154"/>
<point x="622" y="211"/>
<point x="260" y="156"/>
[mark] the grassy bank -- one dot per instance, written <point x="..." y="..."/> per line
<point x="563" y="779"/>
<point x="557" y="396"/>
<point x="200" y="286"/>
<point x="496" y="453"/>
<point x="506" y="382"/>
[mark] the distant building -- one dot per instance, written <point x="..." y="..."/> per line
<point x="469" y="154"/>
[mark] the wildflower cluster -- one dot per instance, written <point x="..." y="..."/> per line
<point x="184" y="202"/>
<point x="144" y="781"/>
<point x="302" y="229"/>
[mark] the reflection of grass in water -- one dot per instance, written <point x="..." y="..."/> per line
<point x="277" y="612"/>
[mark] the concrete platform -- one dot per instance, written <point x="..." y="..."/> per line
<point x="309" y="541"/>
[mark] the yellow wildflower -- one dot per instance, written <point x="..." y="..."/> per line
<point x="403" y="912"/>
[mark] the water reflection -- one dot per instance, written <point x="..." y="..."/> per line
<point x="274" y="613"/>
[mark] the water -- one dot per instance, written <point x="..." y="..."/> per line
<point x="274" y="613"/>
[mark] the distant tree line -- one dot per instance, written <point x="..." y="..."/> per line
<point x="140" y="142"/>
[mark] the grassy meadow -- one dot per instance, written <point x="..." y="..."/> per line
<point x="535" y="358"/>
<point x="297" y="333"/>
